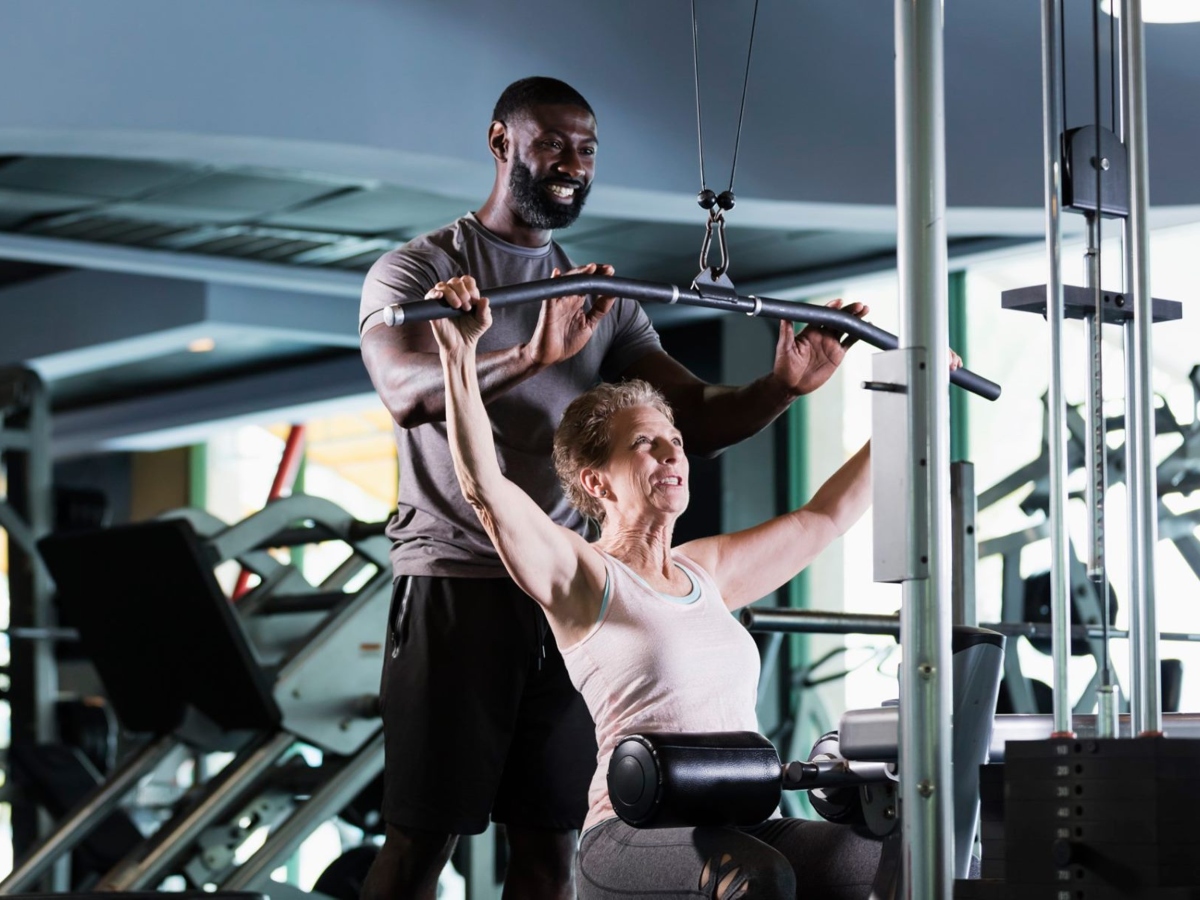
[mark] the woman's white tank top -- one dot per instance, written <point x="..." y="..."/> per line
<point x="655" y="662"/>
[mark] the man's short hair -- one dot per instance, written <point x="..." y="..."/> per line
<point x="523" y="95"/>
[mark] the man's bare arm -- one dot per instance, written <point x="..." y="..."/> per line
<point x="405" y="368"/>
<point x="407" y="373"/>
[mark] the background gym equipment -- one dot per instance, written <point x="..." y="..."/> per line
<point x="292" y="663"/>
<point x="1027" y="599"/>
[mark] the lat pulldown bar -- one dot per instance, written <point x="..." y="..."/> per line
<point x="649" y="291"/>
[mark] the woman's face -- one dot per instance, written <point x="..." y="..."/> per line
<point x="646" y="473"/>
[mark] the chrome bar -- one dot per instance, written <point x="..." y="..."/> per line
<point x="326" y="802"/>
<point x="1037" y="728"/>
<point x="1060" y="563"/>
<point x="79" y="823"/>
<point x="1096" y="448"/>
<point x="1146" y="686"/>
<point x="927" y="841"/>
<point x="810" y="621"/>
<point x="1096" y="462"/>
<point x="870" y="734"/>
<point x="165" y="846"/>
<point x="1133" y="488"/>
<point x="964" y="548"/>
<point x="1108" y="701"/>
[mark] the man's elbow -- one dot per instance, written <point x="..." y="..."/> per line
<point x="409" y="417"/>
<point x="402" y="396"/>
<point x="407" y="412"/>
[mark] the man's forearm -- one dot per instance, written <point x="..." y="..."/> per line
<point x="714" y="416"/>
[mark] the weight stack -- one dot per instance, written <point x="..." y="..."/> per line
<point x="990" y="885"/>
<point x="991" y="822"/>
<point x="1097" y="819"/>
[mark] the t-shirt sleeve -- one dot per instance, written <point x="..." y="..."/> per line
<point x="633" y="337"/>
<point x="402" y="276"/>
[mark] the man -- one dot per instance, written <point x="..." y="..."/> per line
<point x="479" y="714"/>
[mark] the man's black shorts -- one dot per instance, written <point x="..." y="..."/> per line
<point x="479" y="714"/>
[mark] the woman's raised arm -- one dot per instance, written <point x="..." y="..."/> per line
<point x="552" y="564"/>
<point x="747" y="565"/>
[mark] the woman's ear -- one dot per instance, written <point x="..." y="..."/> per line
<point x="498" y="141"/>
<point x="593" y="482"/>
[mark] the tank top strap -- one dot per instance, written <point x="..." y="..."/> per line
<point x="708" y="586"/>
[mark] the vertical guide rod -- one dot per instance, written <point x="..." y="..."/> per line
<point x="925" y="680"/>
<point x="1060" y="564"/>
<point x="1096" y="466"/>
<point x="1096" y="455"/>
<point x="1096" y="449"/>
<point x="1146" y="686"/>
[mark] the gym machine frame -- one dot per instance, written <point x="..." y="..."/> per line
<point x="26" y="514"/>
<point x="1145" y="694"/>
<point x="316" y="694"/>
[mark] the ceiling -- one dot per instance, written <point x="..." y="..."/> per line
<point x="229" y="171"/>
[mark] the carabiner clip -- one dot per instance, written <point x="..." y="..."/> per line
<point x="715" y="217"/>
<point x="712" y="282"/>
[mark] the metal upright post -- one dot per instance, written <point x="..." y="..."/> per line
<point x="1060" y="564"/>
<point x="925" y="681"/>
<point x="26" y="515"/>
<point x="965" y="553"/>
<point x="1145" y="687"/>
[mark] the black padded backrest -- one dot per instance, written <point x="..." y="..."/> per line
<point x="158" y="628"/>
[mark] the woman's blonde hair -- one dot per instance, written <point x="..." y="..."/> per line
<point x="583" y="439"/>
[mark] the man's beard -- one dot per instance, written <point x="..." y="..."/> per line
<point x="536" y="207"/>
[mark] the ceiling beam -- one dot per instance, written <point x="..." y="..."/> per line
<point x="175" y="418"/>
<point x="76" y="322"/>
<point x="187" y="266"/>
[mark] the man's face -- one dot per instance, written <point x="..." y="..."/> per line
<point x="553" y="161"/>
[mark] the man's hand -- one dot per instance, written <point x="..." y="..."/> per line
<point x="564" y="326"/>
<point x="806" y="359"/>
<point x="458" y="333"/>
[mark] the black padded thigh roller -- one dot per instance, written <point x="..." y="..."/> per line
<point x="674" y="780"/>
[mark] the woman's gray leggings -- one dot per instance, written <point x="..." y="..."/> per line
<point x="780" y="859"/>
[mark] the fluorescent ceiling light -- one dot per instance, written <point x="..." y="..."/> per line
<point x="1167" y="11"/>
<point x="202" y="345"/>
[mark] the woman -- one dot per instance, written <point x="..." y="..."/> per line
<point x="644" y="627"/>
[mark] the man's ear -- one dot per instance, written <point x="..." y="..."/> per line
<point x="498" y="141"/>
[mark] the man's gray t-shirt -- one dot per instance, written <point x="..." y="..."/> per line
<point x="435" y="531"/>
